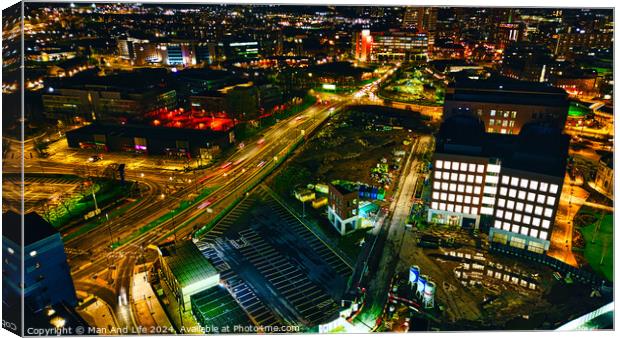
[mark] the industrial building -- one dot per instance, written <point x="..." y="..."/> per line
<point x="505" y="105"/>
<point x="508" y="184"/>
<point x="47" y="282"/>
<point x="186" y="272"/>
<point x="151" y="140"/>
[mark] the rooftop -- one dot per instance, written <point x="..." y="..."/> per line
<point x="35" y="227"/>
<point x="188" y="264"/>
<point x="215" y="307"/>
<point x="136" y="130"/>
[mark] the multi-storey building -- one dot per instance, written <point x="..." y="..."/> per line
<point x="390" y="46"/>
<point x="342" y="207"/>
<point x="508" y="184"/>
<point x="506" y="105"/>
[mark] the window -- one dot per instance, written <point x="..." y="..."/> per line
<point x="490" y="190"/>
<point x="505" y="123"/>
<point x="492" y="113"/>
<point x="452" y="187"/>
<point x="439" y="164"/>
<point x="450" y="207"/>
<point x="497" y="224"/>
<point x="461" y="188"/>
<point x="546" y="223"/>
<point x="511" y="123"/>
<point x="491" y="179"/>
<point x="548" y="212"/>
<point x="506" y="114"/>
<point x="434" y="205"/>
<point x="501" y="202"/>
<point x="512" y="193"/>
<point x="445" y="175"/>
<point x="514" y="114"/>
<point x="553" y="189"/>
<point x="543" y="235"/>
<point x="444" y="186"/>
<point x="469" y="189"/>
<point x="472" y="167"/>
<point x="510" y="205"/>
<point x="524" y="231"/>
<point x="517" y="218"/>
<point x="536" y="221"/>
<point x="474" y="211"/>
<point x="459" y="198"/>
<point x="444" y="196"/>
<point x="540" y="199"/>
<point x="506" y="226"/>
<point x="550" y="200"/>
<point x="538" y="210"/>
<point x="533" y="185"/>
<point x="519" y="206"/>
<point x="491" y="122"/>
<point x="499" y="213"/>
<point x="480" y="168"/>
<point x="463" y="166"/>
<point x="447" y="164"/>
<point x="508" y="215"/>
<point x="514" y="181"/>
<point x="466" y="210"/>
<point x="479" y="179"/>
<point x="435" y="195"/>
<point x="476" y="200"/>
<point x="543" y="186"/>
<point x="506" y="180"/>
<point x="531" y="196"/>
<point x="451" y="197"/>
<point x="458" y="208"/>
<point x="529" y="208"/>
<point x="527" y="219"/>
<point x="524" y="183"/>
<point x="503" y="191"/>
<point x="454" y="177"/>
<point x="437" y="175"/>
<point x="521" y="194"/>
<point x="477" y="190"/>
<point x="455" y="165"/>
<point x="436" y="185"/>
<point x="470" y="178"/>
<point x="467" y="199"/>
<point x="442" y="206"/>
<point x="462" y="177"/>
<point x="515" y="228"/>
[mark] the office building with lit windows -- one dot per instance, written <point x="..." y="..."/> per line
<point x="509" y="185"/>
<point x="505" y="105"/>
<point x="390" y="46"/>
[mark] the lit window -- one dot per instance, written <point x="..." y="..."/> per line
<point x="444" y="196"/>
<point x="458" y="208"/>
<point x="548" y="212"/>
<point x="450" y="207"/>
<point x="33" y="253"/>
<point x="446" y="164"/>
<point x="479" y="179"/>
<point x="434" y="205"/>
<point x="445" y="175"/>
<point x="538" y="210"/>
<point x="524" y="183"/>
<point x="439" y="164"/>
<point x="534" y="233"/>
<point x="540" y="199"/>
<point x="527" y="219"/>
<point x="506" y="226"/>
<point x="529" y="208"/>
<point x="454" y="177"/>
<point x="462" y="177"/>
<point x="444" y="186"/>
<point x="519" y="206"/>
<point x="463" y="166"/>
<point x="442" y="206"/>
<point x="514" y="181"/>
<point x="533" y="185"/>
<point x="508" y="215"/>
<point x="512" y="193"/>
<point x="472" y="167"/>
<point x="474" y="211"/>
<point x="499" y="213"/>
<point x="467" y="199"/>
<point x="477" y="190"/>
<point x="543" y="235"/>
<point x="517" y="218"/>
<point x="510" y="204"/>
<point x="506" y="180"/>
<point x="491" y="179"/>
<point x="550" y="200"/>
<point x="461" y="188"/>
<point x="515" y="228"/>
<point x="493" y="168"/>
<point x="436" y="185"/>
<point x="497" y="224"/>
<point x="524" y="231"/>
<point x="459" y="198"/>
<point x="546" y="223"/>
<point x="453" y="187"/>
<point x="470" y="178"/>
<point x="521" y="194"/>
<point x="543" y="186"/>
<point x="455" y="165"/>
<point x="480" y="168"/>
<point x="492" y="113"/>
<point x="553" y="189"/>
<point x="503" y="191"/>
<point x="536" y="221"/>
<point x="10" y="250"/>
<point x="435" y="195"/>
<point x="476" y="200"/>
<point x="501" y="202"/>
<point x="469" y="189"/>
<point x="437" y="175"/>
<point x="451" y="197"/>
<point x="531" y="196"/>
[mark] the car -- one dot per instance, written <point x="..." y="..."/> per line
<point x="94" y="158"/>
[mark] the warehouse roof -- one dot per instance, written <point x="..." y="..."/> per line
<point x="188" y="264"/>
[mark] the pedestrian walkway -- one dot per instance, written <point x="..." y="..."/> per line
<point x="97" y="313"/>
<point x="149" y="312"/>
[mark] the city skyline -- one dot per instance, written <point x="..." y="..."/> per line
<point x="234" y="168"/>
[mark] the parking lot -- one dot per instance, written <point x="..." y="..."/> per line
<point x="276" y="268"/>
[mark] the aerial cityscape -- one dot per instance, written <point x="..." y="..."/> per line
<point x="206" y="168"/>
